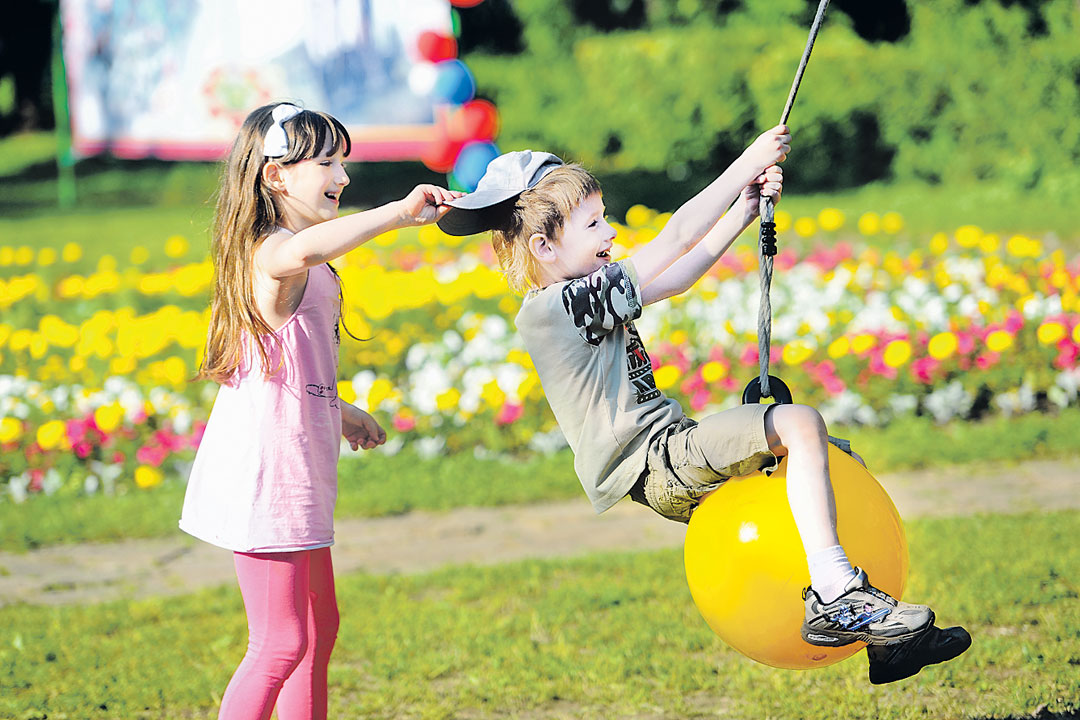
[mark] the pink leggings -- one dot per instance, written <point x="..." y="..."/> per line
<point x="292" y="619"/>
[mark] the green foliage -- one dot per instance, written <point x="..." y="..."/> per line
<point x="975" y="91"/>
<point x="606" y="636"/>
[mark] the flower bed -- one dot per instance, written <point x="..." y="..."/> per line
<point x="96" y="354"/>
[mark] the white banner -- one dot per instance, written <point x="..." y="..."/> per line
<point x="175" y="78"/>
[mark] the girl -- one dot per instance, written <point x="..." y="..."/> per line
<point x="264" y="481"/>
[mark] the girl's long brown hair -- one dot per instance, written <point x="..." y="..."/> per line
<point x="245" y="216"/>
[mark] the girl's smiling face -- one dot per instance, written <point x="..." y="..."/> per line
<point x="308" y="192"/>
<point x="585" y="243"/>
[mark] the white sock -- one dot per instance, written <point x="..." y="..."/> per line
<point x="830" y="571"/>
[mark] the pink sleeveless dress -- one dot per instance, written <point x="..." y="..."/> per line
<point x="265" y="475"/>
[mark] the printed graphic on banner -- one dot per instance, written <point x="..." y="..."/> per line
<point x="176" y="79"/>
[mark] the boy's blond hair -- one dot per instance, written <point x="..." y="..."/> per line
<point x="542" y="209"/>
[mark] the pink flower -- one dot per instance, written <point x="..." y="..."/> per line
<point x="1067" y="353"/>
<point x="509" y="413"/>
<point x="82" y="449"/>
<point x="152" y="455"/>
<point x="924" y="368"/>
<point x="987" y="360"/>
<point x="699" y="400"/>
<point x="403" y="423"/>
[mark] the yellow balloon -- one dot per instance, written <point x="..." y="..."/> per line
<point x="746" y="566"/>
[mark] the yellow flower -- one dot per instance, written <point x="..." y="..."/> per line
<point x="10" y="430"/>
<point x="139" y="255"/>
<point x="639" y="216"/>
<point x="796" y="352"/>
<point x="897" y="353"/>
<point x="666" y="376"/>
<point x="939" y="243"/>
<point x="863" y="342"/>
<point x="839" y="347"/>
<point x="50" y="435"/>
<point x="1076" y="334"/>
<point x="870" y="223"/>
<point x="108" y="417"/>
<point x="679" y="337"/>
<point x="346" y="391"/>
<point x="24" y="255"/>
<point x="783" y="221"/>
<point x="892" y="222"/>
<point x="147" y="476"/>
<point x="999" y="341"/>
<point x="989" y="243"/>
<point x="380" y="391"/>
<point x="71" y="252"/>
<point x="830" y="219"/>
<point x="46" y="256"/>
<point x="805" y="227"/>
<point x="968" y="236"/>
<point x="177" y="246"/>
<point x="713" y="371"/>
<point x="1051" y="333"/>
<point x="493" y="395"/>
<point x="943" y="345"/>
<point x="447" y="400"/>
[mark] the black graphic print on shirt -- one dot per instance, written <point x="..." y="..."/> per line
<point x="324" y="391"/>
<point x="600" y="302"/>
<point x="639" y="367"/>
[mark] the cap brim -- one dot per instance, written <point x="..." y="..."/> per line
<point x="478" y="214"/>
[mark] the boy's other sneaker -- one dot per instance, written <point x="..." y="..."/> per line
<point x="863" y="613"/>
<point x="889" y="663"/>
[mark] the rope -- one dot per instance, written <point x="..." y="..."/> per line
<point x="767" y="236"/>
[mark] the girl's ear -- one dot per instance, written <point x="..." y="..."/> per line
<point x="273" y="177"/>
<point x="542" y="248"/>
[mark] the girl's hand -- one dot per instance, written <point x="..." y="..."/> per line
<point x="426" y="204"/>
<point x="771" y="147"/>
<point x="769" y="183"/>
<point x="360" y="429"/>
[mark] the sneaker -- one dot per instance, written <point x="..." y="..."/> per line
<point x="863" y="613"/>
<point x="889" y="663"/>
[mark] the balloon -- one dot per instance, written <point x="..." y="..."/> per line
<point x="465" y="3"/>
<point x="472" y="162"/>
<point x="475" y="120"/>
<point x="436" y="47"/>
<point x="441" y="153"/>
<point x="746" y="566"/>
<point x="454" y="83"/>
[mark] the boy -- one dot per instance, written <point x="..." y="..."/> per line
<point x="554" y="243"/>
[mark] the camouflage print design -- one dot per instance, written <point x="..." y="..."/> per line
<point x="600" y="302"/>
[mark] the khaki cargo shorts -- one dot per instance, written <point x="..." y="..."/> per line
<point x="688" y="459"/>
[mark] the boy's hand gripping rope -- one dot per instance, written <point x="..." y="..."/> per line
<point x="762" y="386"/>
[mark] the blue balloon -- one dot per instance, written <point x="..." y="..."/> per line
<point x="454" y="83"/>
<point x="472" y="161"/>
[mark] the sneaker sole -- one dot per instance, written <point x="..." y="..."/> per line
<point x="891" y="665"/>
<point x="840" y="638"/>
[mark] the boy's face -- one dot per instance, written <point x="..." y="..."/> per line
<point x="585" y="245"/>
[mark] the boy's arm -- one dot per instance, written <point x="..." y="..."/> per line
<point x="698" y="215"/>
<point x="284" y="254"/>
<point x="687" y="270"/>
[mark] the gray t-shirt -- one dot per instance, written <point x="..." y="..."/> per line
<point x="597" y="376"/>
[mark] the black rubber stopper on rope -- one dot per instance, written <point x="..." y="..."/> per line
<point x="751" y="394"/>
<point x="768" y="238"/>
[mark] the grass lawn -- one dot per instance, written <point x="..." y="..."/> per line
<point x="607" y="636"/>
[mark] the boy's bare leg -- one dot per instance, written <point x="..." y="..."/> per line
<point x="799" y="432"/>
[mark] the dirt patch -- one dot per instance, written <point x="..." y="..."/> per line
<point x="423" y="541"/>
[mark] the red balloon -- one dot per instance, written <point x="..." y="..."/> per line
<point x="436" y="47"/>
<point x="475" y="120"/>
<point x="441" y="153"/>
<point x="465" y="3"/>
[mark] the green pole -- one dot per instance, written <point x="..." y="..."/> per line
<point x="65" y="158"/>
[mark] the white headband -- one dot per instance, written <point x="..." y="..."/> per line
<point x="276" y="144"/>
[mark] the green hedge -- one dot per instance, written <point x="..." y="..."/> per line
<point x="974" y="92"/>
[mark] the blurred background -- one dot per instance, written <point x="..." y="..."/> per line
<point x="926" y="299"/>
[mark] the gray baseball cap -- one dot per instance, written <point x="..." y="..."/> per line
<point x="506" y="177"/>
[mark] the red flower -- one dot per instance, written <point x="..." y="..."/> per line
<point x="509" y="413"/>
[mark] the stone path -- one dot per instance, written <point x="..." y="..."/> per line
<point x="421" y="541"/>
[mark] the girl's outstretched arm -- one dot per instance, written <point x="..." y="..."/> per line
<point x="688" y="269"/>
<point x="283" y="254"/>
<point x="689" y="224"/>
<point x="359" y="428"/>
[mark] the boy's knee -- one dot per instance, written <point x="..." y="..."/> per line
<point x="798" y="424"/>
